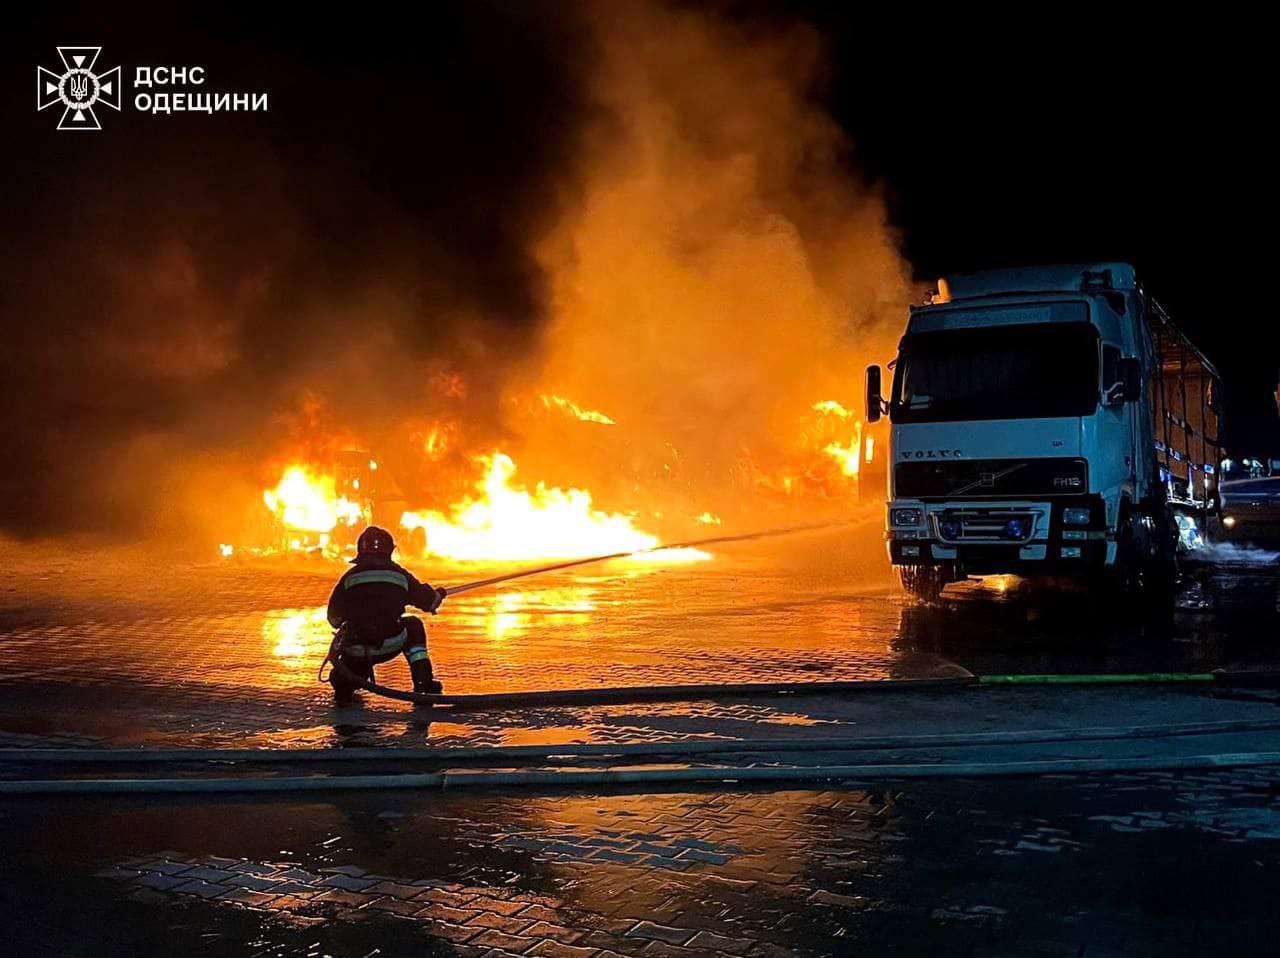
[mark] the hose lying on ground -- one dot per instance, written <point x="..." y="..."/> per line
<point x="564" y="778"/>
<point x="624" y="695"/>
<point x="683" y="749"/>
<point x="1101" y="678"/>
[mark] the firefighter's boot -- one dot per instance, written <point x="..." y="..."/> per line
<point x="343" y="689"/>
<point x="423" y="681"/>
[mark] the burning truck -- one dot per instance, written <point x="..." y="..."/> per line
<point x="1047" y="421"/>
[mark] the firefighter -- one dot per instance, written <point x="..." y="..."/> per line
<point x="367" y="607"/>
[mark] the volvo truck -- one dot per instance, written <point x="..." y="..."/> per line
<point x="1047" y="421"/>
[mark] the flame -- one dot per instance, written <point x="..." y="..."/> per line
<point x="573" y="409"/>
<point x="436" y="442"/>
<point x="505" y="523"/>
<point x="708" y="519"/>
<point x="829" y="407"/>
<point x="308" y="508"/>
<point x="846" y="456"/>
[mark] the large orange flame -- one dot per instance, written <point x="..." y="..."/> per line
<point x="306" y="501"/>
<point x="505" y="522"/>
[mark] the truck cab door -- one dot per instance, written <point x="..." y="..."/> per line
<point x="1113" y="469"/>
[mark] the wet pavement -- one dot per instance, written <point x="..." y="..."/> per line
<point x="115" y="649"/>
<point x="1122" y="865"/>
<point x="125" y="649"/>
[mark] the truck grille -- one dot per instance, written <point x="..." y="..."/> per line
<point x="989" y="478"/>
<point x="955" y="526"/>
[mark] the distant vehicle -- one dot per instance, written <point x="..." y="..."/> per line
<point x="1233" y="469"/>
<point x="1047" y="421"/>
<point x="1251" y="511"/>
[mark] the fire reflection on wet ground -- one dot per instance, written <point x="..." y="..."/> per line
<point x="225" y="653"/>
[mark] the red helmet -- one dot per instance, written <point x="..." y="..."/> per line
<point x="375" y="541"/>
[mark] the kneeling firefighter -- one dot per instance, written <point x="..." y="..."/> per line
<point x="367" y="609"/>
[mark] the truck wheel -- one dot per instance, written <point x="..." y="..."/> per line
<point x="1140" y="574"/>
<point x="1160" y="570"/>
<point x="924" y="581"/>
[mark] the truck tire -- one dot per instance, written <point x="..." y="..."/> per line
<point x="1146" y="567"/>
<point x="924" y="581"/>
<point x="1160" y="567"/>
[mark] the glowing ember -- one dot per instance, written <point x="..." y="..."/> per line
<point x="307" y="501"/>
<point x="708" y="519"/>
<point x="573" y="409"/>
<point x="505" y="523"/>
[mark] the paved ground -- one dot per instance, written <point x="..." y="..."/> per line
<point x="123" y="648"/>
<point x="105" y="649"/>
<point x="1128" y="865"/>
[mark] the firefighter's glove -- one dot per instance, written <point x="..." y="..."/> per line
<point x="440" y="595"/>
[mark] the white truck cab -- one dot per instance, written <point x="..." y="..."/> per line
<point x="1046" y="420"/>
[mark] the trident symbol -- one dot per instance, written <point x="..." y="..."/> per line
<point x="79" y="88"/>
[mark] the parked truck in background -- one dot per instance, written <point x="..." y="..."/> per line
<point x="1047" y="421"/>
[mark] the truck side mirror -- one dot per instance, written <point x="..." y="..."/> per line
<point x="873" y="394"/>
<point x="1131" y="377"/>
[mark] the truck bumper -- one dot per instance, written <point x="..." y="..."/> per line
<point x="1049" y="548"/>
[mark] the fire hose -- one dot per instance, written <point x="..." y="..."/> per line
<point x="558" y="778"/>
<point x="332" y="657"/>
<point x="673" y="693"/>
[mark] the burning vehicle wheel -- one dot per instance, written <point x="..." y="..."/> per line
<point x="924" y="581"/>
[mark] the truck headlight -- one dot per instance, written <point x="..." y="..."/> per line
<point x="1075" y="516"/>
<point x="904" y="517"/>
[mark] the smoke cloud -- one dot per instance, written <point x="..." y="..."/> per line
<point x="180" y="294"/>
<point x="638" y="206"/>
<point x="725" y="269"/>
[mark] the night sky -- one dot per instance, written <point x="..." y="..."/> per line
<point x="446" y="137"/>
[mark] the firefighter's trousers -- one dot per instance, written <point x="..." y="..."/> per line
<point x="360" y="656"/>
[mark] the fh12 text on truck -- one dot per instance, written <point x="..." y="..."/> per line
<point x="1047" y="421"/>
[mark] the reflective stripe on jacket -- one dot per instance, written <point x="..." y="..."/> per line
<point x="372" y="595"/>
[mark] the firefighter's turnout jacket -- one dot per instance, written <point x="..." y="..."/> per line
<point x="368" y="602"/>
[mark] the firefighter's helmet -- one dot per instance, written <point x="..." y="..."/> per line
<point x="375" y="542"/>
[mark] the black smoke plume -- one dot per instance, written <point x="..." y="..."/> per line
<point x="170" y="284"/>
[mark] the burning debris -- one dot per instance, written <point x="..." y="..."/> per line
<point x="319" y="510"/>
<point x="505" y="522"/>
<point x="303" y="501"/>
<point x="499" y="521"/>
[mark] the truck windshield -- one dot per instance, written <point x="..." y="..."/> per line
<point x="1008" y="372"/>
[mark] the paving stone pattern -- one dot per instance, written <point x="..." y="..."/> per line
<point x="1133" y="865"/>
